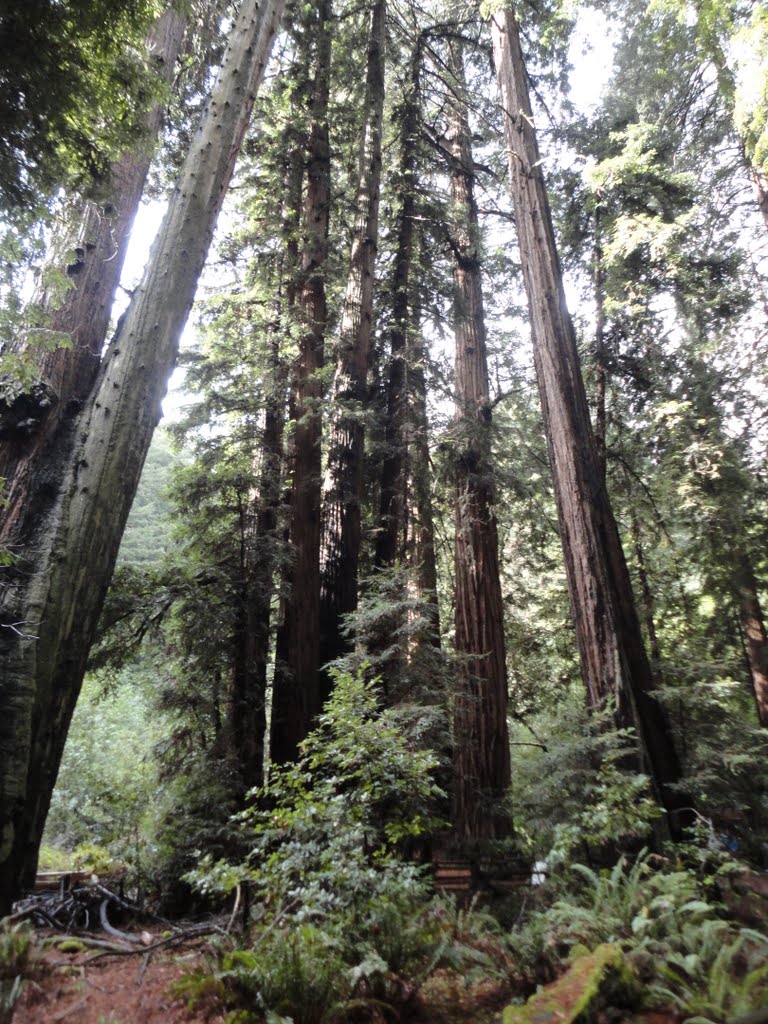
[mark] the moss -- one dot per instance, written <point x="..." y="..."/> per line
<point x="590" y="983"/>
<point x="71" y="946"/>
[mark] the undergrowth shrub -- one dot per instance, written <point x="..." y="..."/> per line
<point x="346" y="926"/>
<point x="688" y="956"/>
<point x="574" y="797"/>
<point x="337" y="900"/>
<point x="16" y="961"/>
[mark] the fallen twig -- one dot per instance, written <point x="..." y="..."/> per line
<point x="196" y="932"/>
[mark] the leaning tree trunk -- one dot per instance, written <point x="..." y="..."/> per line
<point x="614" y="662"/>
<point x="343" y="485"/>
<point x="65" y="376"/>
<point x="296" y="695"/>
<point x="481" y="756"/>
<point x="51" y="602"/>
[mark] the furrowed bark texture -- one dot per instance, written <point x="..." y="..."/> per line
<point x="613" y="658"/>
<point x="296" y="694"/>
<point x="343" y="484"/>
<point x="601" y="369"/>
<point x="753" y="630"/>
<point x="392" y="506"/>
<point x="67" y="566"/>
<point x="66" y="375"/>
<point x="481" y="757"/>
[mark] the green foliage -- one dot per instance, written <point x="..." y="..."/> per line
<point x="717" y="974"/>
<point x="578" y="797"/>
<point x="73" y="84"/>
<point x="325" y="831"/>
<point x="106" y="791"/>
<point x="685" y="953"/>
<point x="16" y="953"/>
<point x="344" y="918"/>
<point x="296" y="974"/>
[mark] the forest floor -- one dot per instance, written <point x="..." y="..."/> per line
<point x="88" y="987"/>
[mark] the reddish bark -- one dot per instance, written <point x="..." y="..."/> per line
<point x="614" y="662"/>
<point x="343" y="486"/>
<point x="481" y="756"/>
<point x="392" y="504"/>
<point x="296" y="695"/>
<point x="754" y="634"/>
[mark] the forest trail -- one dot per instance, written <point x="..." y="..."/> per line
<point x="90" y="988"/>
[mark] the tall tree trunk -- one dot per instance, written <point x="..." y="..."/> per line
<point x="760" y="183"/>
<point x="613" y="657"/>
<point x="601" y="369"/>
<point x="343" y="485"/>
<point x="753" y="630"/>
<point x="481" y="756"/>
<point x="248" y="707"/>
<point x="647" y="595"/>
<point x="296" y="695"/>
<point x="392" y="510"/>
<point x="65" y="376"/>
<point x="420" y="520"/>
<point x="50" y="604"/>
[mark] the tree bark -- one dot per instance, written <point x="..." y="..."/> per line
<point x="481" y="756"/>
<point x="51" y="601"/>
<point x="392" y="503"/>
<point x="66" y="375"/>
<point x="601" y="369"/>
<point x="614" y="662"/>
<point x="296" y="694"/>
<point x="420" y="520"/>
<point x="753" y="630"/>
<point x="249" y="699"/>
<point x="343" y="485"/>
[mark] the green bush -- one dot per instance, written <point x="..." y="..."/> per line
<point x="344" y="917"/>
<point x="16" y="952"/>
<point x="688" y="956"/>
<point x="296" y="973"/>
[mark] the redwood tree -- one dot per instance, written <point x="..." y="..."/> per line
<point x="296" y="696"/>
<point x="343" y="484"/>
<point x="614" y="662"/>
<point x="392" y="511"/>
<point x="53" y="594"/>
<point x="35" y="420"/>
<point x="480" y="736"/>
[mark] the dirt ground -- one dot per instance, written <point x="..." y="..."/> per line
<point x="88" y="988"/>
